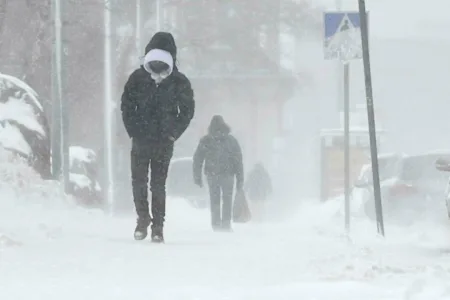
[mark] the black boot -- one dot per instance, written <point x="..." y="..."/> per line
<point x="157" y="234"/>
<point x="141" y="231"/>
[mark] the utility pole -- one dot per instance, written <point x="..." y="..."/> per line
<point x="56" y="93"/>
<point x="347" y="189"/>
<point x="371" y="116"/>
<point x="108" y="108"/>
<point x="64" y="107"/>
<point x="60" y="116"/>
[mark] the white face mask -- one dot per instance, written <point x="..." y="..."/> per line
<point x="160" y="55"/>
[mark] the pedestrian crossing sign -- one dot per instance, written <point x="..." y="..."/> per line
<point x="342" y="35"/>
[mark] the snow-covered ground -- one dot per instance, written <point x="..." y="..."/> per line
<point x="50" y="249"/>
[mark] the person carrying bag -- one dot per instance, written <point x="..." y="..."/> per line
<point x="220" y="155"/>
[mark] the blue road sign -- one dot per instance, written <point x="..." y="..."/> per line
<point x="342" y="39"/>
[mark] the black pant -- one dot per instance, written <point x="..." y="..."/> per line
<point x="221" y="186"/>
<point x="157" y="157"/>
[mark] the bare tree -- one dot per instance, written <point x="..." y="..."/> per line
<point x="26" y="44"/>
<point x="204" y="27"/>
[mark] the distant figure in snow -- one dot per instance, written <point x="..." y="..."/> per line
<point x="258" y="188"/>
<point x="220" y="154"/>
<point x="157" y="107"/>
<point x="258" y="185"/>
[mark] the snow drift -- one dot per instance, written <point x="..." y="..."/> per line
<point x="23" y="195"/>
<point x="51" y="246"/>
<point x="23" y="126"/>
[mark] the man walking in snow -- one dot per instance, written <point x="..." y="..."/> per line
<point x="220" y="154"/>
<point x="157" y="107"/>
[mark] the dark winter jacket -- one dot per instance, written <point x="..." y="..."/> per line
<point x="258" y="185"/>
<point x="220" y="153"/>
<point x="158" y="113"/>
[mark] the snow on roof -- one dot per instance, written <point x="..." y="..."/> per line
<point x="9" y="81"/>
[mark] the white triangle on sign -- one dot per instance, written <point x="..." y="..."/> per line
<point x="345" y="24"/>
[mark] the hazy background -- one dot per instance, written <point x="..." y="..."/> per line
<point x="246" y="54"/>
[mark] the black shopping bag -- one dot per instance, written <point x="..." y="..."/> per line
<point x="241" y="210"/>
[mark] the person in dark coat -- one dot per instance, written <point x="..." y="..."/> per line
<point x="157" y="107"/>
<point x="220" y="155"/>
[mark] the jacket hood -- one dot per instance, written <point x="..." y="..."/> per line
<point x="163" y="41"/>
<point x="218" y="126"/>
<point x="162" y="56"/>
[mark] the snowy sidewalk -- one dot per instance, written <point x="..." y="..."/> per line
<point x="85" y="255"/>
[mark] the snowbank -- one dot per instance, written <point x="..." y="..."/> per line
<point x="23" y="126"/>
<point x="65" y="248"/>
<point x="20" y="183"/>
<point x="33" y="209"/>
<point x="23" y="197"/>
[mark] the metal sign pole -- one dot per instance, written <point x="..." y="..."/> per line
<point x="337" y="24"/>
<point x="346" y="109"/>
<point x="56" y="110"/>
<point x="347" y="144"/>
<point x="63" y="102"/>
<point x="108" y="108"/>
<point x="371" y="116"/>
<point x="60" y="122"/>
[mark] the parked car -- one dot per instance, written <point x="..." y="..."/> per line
<point x="388" y="165"/>
<point x="180" y="183"/>
<point x="443" y="165"/>
<point x="409" y="184"/>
